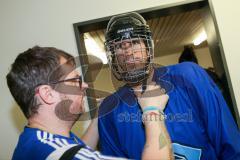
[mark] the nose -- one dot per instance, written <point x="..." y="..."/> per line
<point x="126" y="48"/>
<point x="84" y="85"/>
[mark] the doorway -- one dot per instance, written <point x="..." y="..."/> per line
<point x="188" y="25"/>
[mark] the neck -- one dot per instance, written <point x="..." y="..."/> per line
<point x="54" y="126"/>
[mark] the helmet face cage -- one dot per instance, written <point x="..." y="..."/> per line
<point x="130" y="54"/>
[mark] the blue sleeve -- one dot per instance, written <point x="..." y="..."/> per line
<point x="216" y="117"/>
<point x="109" y="144"/>
<point x="108" y="134"/>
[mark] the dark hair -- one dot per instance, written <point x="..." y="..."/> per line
<point x="31" y="68"/>
<point x="188" y="55"/>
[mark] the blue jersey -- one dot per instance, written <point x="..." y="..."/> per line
<point x="35" y="144"/>
<point x="199" y="122"/>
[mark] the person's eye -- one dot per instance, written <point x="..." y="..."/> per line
<point x="136" y="41"/>
<point x="75" y="83"/>
<point x="118" y="46"/>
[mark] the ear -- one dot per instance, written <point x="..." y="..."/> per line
<point x="47" y="94"/>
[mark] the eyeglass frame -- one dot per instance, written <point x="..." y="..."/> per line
<point x="62" y="81"/>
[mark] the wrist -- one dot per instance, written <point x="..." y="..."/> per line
<point x="151" y="114"/>
<point x="151" y="108"/>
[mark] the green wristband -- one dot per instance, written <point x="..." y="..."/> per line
<point x="150" y="108"/>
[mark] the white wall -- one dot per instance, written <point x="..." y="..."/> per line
<point x="227" y="13"/>
<point x="27" y="23"/>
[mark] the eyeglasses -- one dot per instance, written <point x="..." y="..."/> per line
<point x="76" y="79"/>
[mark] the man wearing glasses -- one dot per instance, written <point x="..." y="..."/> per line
<point x="50" y="92"/>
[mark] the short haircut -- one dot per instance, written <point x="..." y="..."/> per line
<point x="31" y="68"/>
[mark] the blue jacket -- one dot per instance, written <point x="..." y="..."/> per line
<point x="36" y="144"/>
<point x="198" y="119"/>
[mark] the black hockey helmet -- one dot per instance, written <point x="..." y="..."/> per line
<point x="131" y="27"/>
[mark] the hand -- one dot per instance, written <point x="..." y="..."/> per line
<point x="153" y="96"/>
<point x="158" y="143"/>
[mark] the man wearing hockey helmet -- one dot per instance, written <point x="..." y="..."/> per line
<point x="130" y="48"/>
<point x="197" y="116"/>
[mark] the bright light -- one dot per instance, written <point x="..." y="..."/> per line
<point x="202" y="37"/>
<point x="94" y="49"/>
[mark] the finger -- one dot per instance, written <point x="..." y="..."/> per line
<point x="153" y="91"/>
<point x="152" y="83"/>
<point x="137" y="90"/>
<point x="140" y="91"/>
<point x="152" y="86"/>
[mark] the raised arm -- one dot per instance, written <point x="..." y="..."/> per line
<point x="91" y="136"/>
<point x="158" y="144"/>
